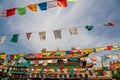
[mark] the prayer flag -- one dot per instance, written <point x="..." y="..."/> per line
<point x="57" y="34"/>
<point x="32" y="7"/>
<point x="43" y="6"/>
<point x="2" y="39"/>
<point x="21" y="11"/>
<point x="62" y="3"/>
<point x="51" y="4"/>
<point x="110" y="24"/>
<point x="42" y="35"/>
<point x="89" y="27"/>
<point x="116" y="47"/>
<point x="10" y="12"/>
<point x="3" y="13"/>
<point x="108" y="47"/>
<point x="87" y="51"/>
<point x="15" y="38"/>
<point x="28" y="35"/>
<point x="73" y="31"/>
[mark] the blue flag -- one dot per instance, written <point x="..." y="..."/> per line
<point x="43" y="6"/>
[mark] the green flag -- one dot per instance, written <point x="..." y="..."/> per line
<point x="14" y="38"/>
<point x="89" y="27"/>
<point x="41" y="73"/>
<point x="57" y="54"/>
<point x="21" y="11"/>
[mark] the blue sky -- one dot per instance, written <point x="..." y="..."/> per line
<point x="81" y="13"/>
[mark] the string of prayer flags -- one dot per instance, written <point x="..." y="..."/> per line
<point x="51" y="4"/>
<point x="32" y="7"/>
<point x="73" y="31"/>
<point x="43" y="6"/>
<point x="10" y="12"/>
<point x="110" y="24"/>
<point x="57" y="34"/>
<point x="62" y="3"/>
<point x="28" y="35"/>
<point x="2" y="39"/>
<point x="21" y="11"/>
<point x="89" y="27"/>
<point x="42" y="35"/>
<point x="15" y="38"/>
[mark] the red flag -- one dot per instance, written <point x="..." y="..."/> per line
<point x="108" y="48"/>
<point x="110" y="24"/>
<point x="11" y="12"/>
<point x="28" y="35"/>
<point x="62" y="3"/>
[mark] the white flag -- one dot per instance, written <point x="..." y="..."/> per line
<point x="2" y="39"/>
<point x="42" y="35"/>
<point x="52" y="4"/>
<point x="45" y="62"/>
<point x="3" y="13"/>
<point x="73" y="31"/>
<point x="57" y="34"/>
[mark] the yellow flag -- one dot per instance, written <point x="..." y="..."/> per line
<point x="3" y="56"/>
<point x="21" y="55"/>
<point x="87" y="51"/>
<point x="99" y="49"/>
<point x="32" y="7"/>
<point x="63" y="53"/>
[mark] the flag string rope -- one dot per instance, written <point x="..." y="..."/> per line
<point x="60" y="29"/>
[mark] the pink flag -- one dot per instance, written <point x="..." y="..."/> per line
<point x="3" y="13"/>
<point x="52" y="4"/>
